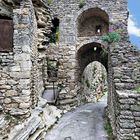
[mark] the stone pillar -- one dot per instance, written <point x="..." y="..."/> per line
<point x="19" y="98"/>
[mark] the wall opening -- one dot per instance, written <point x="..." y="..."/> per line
<point x="6" y="34"/>
<point x="92" y="72"/>
<point x="54" y="36"/>
<point x="93" y="22"/>
<point x="94" y="82"/>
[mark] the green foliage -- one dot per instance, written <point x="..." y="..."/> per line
<point x="55" y="36"/>
<point x="82" y="4"/>
<point x="87" y="83"/>
<point x="108" y="128"/>
<point x="11" y="119"/>
<point x="8" y="117"/>
<point x="49" y="1"/>
<point x="137" y="89"/>
<point x="111" y="37"/>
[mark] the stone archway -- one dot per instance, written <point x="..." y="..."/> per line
<point x="87" y="54"/>
<point x="93" y="22"/>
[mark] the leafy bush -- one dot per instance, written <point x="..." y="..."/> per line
<point x="108" y="128"/>
<point x="82" y="3"/>
<point x="111" y="37"/>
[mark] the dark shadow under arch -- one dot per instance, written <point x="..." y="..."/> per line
<point x="93" y="21"/>
<point x="89" y="53"/>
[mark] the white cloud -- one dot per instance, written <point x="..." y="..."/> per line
<point x="133" y="29"/>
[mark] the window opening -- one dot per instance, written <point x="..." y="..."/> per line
<point x="6" y="34"/>
<point x="98" y="29"/>
<point x="54" y="37"/>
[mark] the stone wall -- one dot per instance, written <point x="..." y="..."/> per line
<point x="42" y="118"/>
<point x="94" y="82"/>
<point x="17" y="66"/>
<point x="23" y="72"/>
<point x="123" y="60"/>
<point x="128" y="115"/>
<point x="66" y="76"/>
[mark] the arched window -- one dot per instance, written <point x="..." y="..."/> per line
<point x="93" y="22"/>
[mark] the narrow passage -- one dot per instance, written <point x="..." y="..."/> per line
<point x="84" y="123"/>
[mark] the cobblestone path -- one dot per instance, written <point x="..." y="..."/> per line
<point x="84" y="123"/>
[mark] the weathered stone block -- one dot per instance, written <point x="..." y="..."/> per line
<point x="131" y="117"/>
<point x="23" y="74"/>
<point x="11" y="93"/>
<point x="5" y="87"/>
<point x="24" y="105"/>
<point x="137" y="118"/>
<point x="22" y="57"/>
<point x="26" y="92"/>
<point x="136" y="114"/>
<point x="135" y="107"/>
<point x="21" y="99"/>
<point x="126" y="131"/>
<point x="127" y="101"/>
<point x="137" y="124"/>
<point x="125" y="107"/>
<point x="7" y="100"/>
<point x="127" y="125"/>
<point x="126" y="113"/>
<point x="26" y="49"/>
<point x="15" y="68"/>
<point x="24" y="83"/>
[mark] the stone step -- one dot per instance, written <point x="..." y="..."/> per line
<point x="36" y="135"/>
<point x="28" y="129"/>
<point x="3" y="122"/>
<point x="51" y="86"/>
<point x="67" y="101"/>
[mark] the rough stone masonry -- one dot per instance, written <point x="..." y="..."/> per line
<point x="67" y="32"/>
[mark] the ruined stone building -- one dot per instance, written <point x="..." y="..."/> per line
<point x="49" y="43"/>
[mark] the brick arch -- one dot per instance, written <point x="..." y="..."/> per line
<point x="88" y="53"/>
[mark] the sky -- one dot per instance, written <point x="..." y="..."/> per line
<point x="134" y="22"/>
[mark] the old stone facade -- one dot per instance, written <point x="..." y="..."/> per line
<point x="94" y="82"/>
<point x="24" y="70"/>
<point x="21" y="79"/>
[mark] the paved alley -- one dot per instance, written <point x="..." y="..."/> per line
<point x="84" y="123"/>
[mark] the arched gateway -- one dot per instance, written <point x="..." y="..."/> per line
<point x="81" y="30"/>
<point x="89" y="53"/>
<point x="76" y="42"/>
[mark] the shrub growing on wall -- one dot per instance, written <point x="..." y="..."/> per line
<point x="111" y="37"/>
<point x="82" y="3"/>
